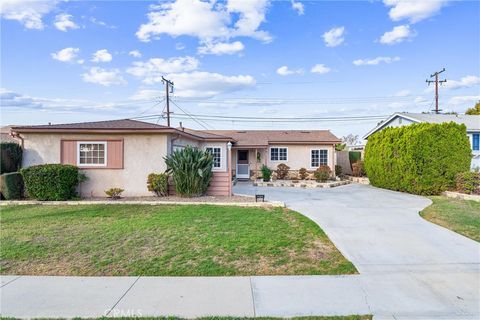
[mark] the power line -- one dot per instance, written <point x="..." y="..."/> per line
<point x="436" y="81"/>
<point x="191" y="116"/>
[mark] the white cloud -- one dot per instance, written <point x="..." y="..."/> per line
<point x="464" y="100"/>
<point x="66" y="55"/>
<point x="207" y="84"/>
<point x="103" y="77"/>
<point x="221" y="48"/>
<point x="64" y="21"/>
<point x="101" y="23"/>
<point x="420" y="100"/>
<point x="402" y="93"/>
<point x="102" y="56"/>
<point x="147" y="94"/>
<point x="10" y="99"/>
<point x="206" y="20"/>
<point x="135" y="54"/>
<point x="465" y="82"/>
<point x="334" y="36"/>
<point x="298" y="6"/>
<point x="320" y="68"/>
<point x="413" y="10"/>
<point x="152" y="70"/>
<point x="375" y="61"/>
<point x="397" y="35"/>
<point x="28" y="13"/>
<point x="179" y="46"/>
<point x="285" y="71"/>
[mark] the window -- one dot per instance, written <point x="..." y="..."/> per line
<point x="92" y="154"/>
<point x="178" y="148"/>
<point x="476" y="141"/>
<point x="278" y="154"/>
<point x="318" y="157"/>
<point x="217" y="156"/>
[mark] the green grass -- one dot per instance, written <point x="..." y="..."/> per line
<point x="461" y="216"/>
<point x="163" y="241"/>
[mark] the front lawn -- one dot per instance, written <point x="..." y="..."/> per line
<point x="163" y="241"/>
<point x="461" y="216"/>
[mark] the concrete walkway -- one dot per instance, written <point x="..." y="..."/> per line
<point x="409" y="269"/>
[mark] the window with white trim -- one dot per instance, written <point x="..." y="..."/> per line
<point x="278" y="154"/>
<point x="178" y="148"/>
<point x="92" y="154"/>
<point x="318" y="157"/>
<point x="216" y="152"/>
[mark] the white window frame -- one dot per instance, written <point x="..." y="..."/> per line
<point x="319" y="164"/>
<point x="221" y="157"/>
<point x="270" y="154"/>
<point x="177" y="148"/>
<point x="92" y="164"/>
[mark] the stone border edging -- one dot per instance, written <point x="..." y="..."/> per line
<point x="462" y="196"/>
<point x="153" y="203"/>
<point x="300" y="184"/>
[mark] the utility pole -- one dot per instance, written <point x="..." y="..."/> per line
<point x="168" y="90"/>
<point x="435" y="75"/>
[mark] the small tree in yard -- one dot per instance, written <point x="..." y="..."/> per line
<point x="266" y="173"/>
<point x="191" y="169"/>
<point x="475" y="110"/>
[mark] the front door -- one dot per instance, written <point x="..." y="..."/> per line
<point x="243" y="168"/>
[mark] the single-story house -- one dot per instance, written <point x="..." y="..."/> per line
<point x="121" y="153"/>
<point x="472" y="122"/>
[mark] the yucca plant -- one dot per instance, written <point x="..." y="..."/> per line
<point x="191" y="169"/>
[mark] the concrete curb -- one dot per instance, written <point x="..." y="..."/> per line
<point x="153" y="203"/>
<point x="462" y="196"/>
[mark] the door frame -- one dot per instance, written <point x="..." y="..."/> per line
<point x="247" y="175"/>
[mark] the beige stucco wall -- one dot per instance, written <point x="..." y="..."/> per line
<point x="298" y="156"/>
<point x="143" y="154"/>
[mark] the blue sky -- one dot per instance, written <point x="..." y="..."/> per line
<point x="96" y="60"/>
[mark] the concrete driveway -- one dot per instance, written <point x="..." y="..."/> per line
<point x="408" y="267"/>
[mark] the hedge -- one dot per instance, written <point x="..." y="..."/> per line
<point x="11" y="185"/>
<point x="11" y="157"/>
<point x="51" y="181"/>
<point x="420" y="158"/>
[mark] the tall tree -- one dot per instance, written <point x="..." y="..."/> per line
<point x="475" y="110"/>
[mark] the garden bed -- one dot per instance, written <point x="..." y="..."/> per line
<point x="167" y="240"/>
<point x="300" y="183"/>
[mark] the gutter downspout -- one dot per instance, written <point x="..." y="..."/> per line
<point x="18" y="136"/>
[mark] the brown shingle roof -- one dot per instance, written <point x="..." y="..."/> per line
<point x="124" y="124"/>
<point x="265" y="137"/>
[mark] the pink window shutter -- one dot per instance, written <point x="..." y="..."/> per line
<point x="68" y="152"/>
<point x="115" y="154"/>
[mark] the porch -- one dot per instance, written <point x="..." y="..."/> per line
<point x="246" y="162"/>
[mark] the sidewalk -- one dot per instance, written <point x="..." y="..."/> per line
<point x="397" y="295"/>
<point x="28" y="296"/>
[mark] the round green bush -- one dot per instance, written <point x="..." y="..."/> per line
<point x="11" y="185"/>
<point x="51" y="181"/>
<point x="420" y="158"/>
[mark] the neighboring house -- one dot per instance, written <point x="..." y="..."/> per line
<point x="121" y="153"/>
<point x="5" y="136"/>
<point x="472" y="122"/>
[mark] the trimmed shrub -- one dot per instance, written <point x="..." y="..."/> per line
<point x="11" y="157"/>
<point x="11" y="185"/>
<point x="322" y="173"/>
<point x="114" y="193"/>
<point x="303" y="173"/>
<point x="282" y="171"/>
<point x="266" y="173"/>
<point x="419" y="158"/>
<point x="468" y="182"/>
<point x="354" y="156"/>
<point x="338" y="170"/>
<point x="191" y="169"/>
<point x="51" y="181"/>
<point x="158" y="183"/>
<point x="358" y="169"/>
